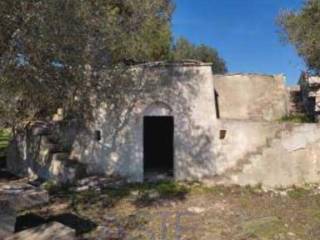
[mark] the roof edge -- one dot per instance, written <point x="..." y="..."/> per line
<point x="182" y="63"/>
<point x="250" y="74"/>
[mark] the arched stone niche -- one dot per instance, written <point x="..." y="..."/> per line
<point x="158" y="109"/>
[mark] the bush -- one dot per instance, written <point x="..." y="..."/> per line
<point x="5" y="136"/>
<point x="298" y="118"/>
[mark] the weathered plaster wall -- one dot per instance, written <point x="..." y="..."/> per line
<point x="251" y="96"/>
<point x="271" y="154"/>
<point x="182" y="91"/>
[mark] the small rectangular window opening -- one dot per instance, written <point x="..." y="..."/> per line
<point x="223" y="134"/>
<point x="97" y="135"/>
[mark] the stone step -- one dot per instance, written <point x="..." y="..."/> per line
<point x="56" y="148"/>
<point x="55" y="143"/>
<point x="52" y="147"/>
<point x="267" y="148"/>
<point x="53" y="230"/>
<point x="66" y="171"/>
<point x="23" y="196"/>
<point x="52" y="138"/>
<point x="60" y="156"/>
<point x="41" y="128"/>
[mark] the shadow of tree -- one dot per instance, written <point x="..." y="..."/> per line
<point x="79" y="224"/>
<point x="161" y="192"/>
<point x="73" y="221"/>
<point x="139" y="194"/>
<point x="29" y="220"/>
<point x="117" y="111"/>
<point x="7" y="176"/>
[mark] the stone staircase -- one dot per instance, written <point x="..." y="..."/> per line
<point x="249" y="159"/>
<point x="295" y="104"/>
<point x="54" y="149"/>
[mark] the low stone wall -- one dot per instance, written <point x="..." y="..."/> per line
<point x="271" y="154"/>
<point x="251" y="96"/>
<point x="42" y="150"/>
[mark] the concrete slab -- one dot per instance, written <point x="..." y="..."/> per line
<point x="23" y="195"/>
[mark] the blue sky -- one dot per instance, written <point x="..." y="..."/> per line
<point x="243" y="31"/>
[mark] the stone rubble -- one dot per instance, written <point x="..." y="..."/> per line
<point x="17" y="196"/>
<point x="196" y="210"/>
<point x="103" y="232"/>
<point x="23" y="195"/>
<point x="97" y="183"/>
<point x="7" y="219"/>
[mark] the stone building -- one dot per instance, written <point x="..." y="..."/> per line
<point x="184" y="122"/>
<point x="310" y="94"/>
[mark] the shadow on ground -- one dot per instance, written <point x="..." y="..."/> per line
<point x="5" y="176"/>
<point x="80" y="225"/>
<point x="141" y="195"/>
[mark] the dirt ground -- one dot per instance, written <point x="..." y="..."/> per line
<point x="169" y="210"/>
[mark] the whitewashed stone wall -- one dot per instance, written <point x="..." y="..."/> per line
<point x="180" y="90"/>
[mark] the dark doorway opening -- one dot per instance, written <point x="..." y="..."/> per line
<point x="158" y="145"/>
<point x="216" y="101"/>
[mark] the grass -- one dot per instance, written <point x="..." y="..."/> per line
<point x="298" y="118"/>
<point x="4" y="141"/>
<point x="4" y="138"/>
<point x="263" y="228"/>
<point x="144" y="194"/>
<point x="297" y="192"/>
<point x="225" y="212"/>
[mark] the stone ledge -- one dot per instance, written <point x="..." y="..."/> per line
<point x="22" y="195"/>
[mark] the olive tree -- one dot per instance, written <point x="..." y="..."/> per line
<point x="51" y="51"/>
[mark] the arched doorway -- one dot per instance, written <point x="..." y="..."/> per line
<point x="158" y="141"/>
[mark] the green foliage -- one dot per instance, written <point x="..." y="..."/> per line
<point x="171" y="189"/>
<point x="52" y="50"/>
<point x="302" y="29"/>
<point x="298" y="118"/>
<point x="5" y="136"/>
<point x="297" y="192"/>
<point x="51" y="186"/>
<point x="183" y="49"/>
<point x="56" y="53"/>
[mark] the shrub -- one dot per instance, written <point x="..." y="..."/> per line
<point x="298" y="118"/>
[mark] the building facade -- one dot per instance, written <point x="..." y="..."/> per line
<point x="184" y="122"/>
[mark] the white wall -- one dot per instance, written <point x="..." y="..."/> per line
<point x="251" y="96"/>
<point x="187" y="90"/>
